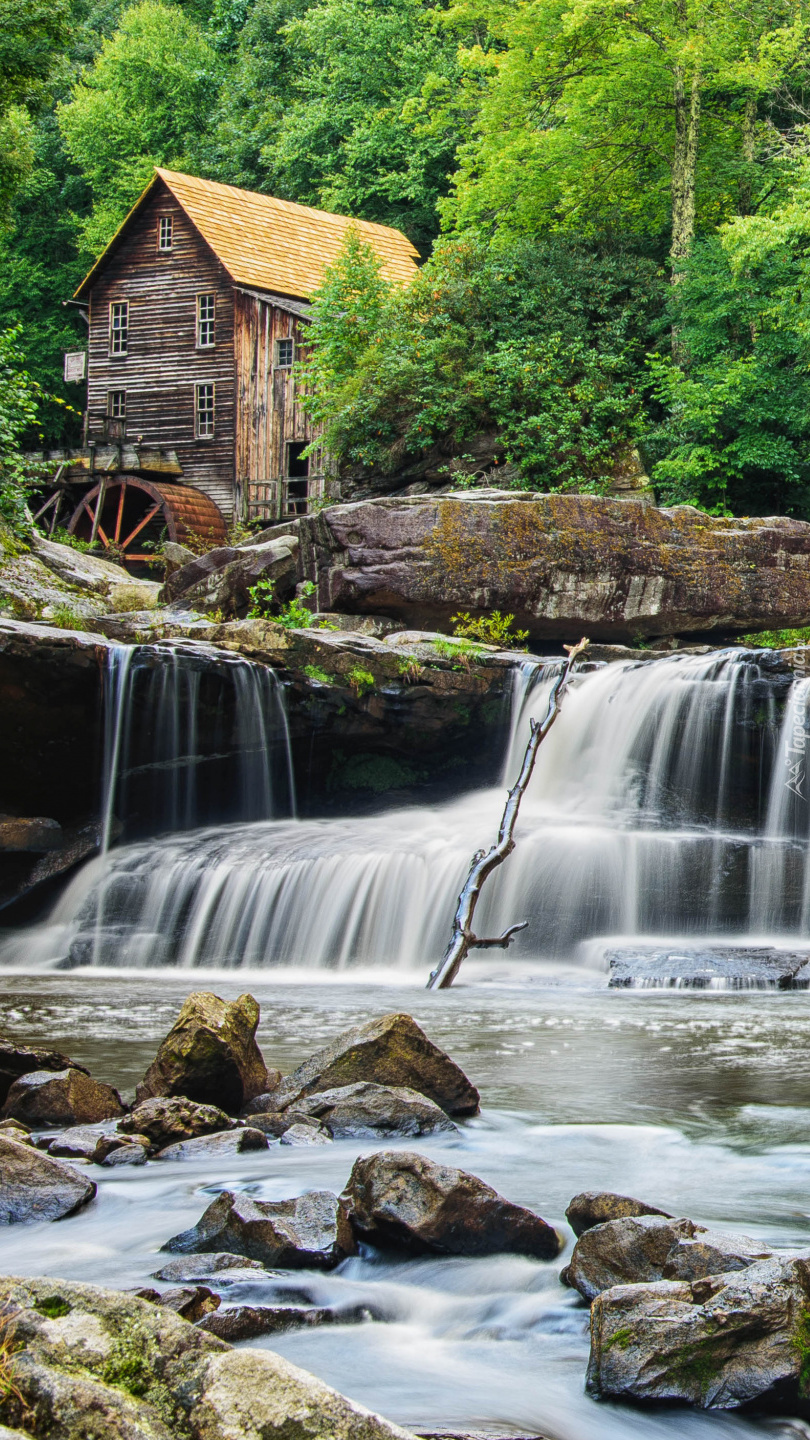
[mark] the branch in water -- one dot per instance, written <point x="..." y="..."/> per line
<point x="463" y="938"/>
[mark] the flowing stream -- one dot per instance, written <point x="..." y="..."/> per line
<point x="669" y="801"/>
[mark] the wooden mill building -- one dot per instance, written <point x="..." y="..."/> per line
<point x="197" y="311"/>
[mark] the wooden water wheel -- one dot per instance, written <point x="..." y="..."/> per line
<point x="136" y="515"/>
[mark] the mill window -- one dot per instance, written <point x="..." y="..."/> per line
<point x="204" y="428"/>
<point x="285" y="353"/>
<point x="165" y="227"/>
<point x="205" y="321"/>
<point x="119" y="327"/>
<point x="117" y="404"/>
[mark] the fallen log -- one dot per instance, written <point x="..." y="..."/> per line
<point x="463" y="939"/>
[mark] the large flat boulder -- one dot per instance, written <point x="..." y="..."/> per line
<point x="210" y="1054"/>
<point x="92" y="1362"/>
<point x="644" y="1248"/>
<point x="394" y="1051"/>
<point x="405" y="1201"/>
<point x="64" y="1097"/>
<point x="565" y="565"/>
<point x="35" y="1187"/>
<point x="310" y="1231"/>
<point x="718" y="1343"/>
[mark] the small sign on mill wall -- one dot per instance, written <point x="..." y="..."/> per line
<point x="75" y="365"/>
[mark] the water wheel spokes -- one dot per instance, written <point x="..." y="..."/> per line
<point x="130" y="516"/>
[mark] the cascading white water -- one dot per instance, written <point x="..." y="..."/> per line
<point x="192" y="735"/>
<point x="654" y="811"/>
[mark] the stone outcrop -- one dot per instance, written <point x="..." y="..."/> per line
<point x="43" y="580"/>
<point x="721" y="1342"/>
<point x="649" y="1247"/>
<point x="565" y="565"/>
<point x="17" y="1060"/>
<point x="210" y="1054"/>
<point x="403" y="1200"/>
<point x="309" y="1232"/>
<point x="222" y="580"/>
<point x="94" y="1362"/>
<point x="35" y="1187"/>
<point x="63" y="1097"/>
<point x="595" y="1207"/>
<point x="393" y="1051"/>
<point x="205" y="1267"/>
<point x="168" y="1120"/>
<point x="368" y="1109"/>
<point x="248" y="1322"/>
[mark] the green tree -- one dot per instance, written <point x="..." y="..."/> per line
<point x="640" y="116"/>
<point x="736" y="433"/>
<point x="31" y="33"/>
<point x="20" y="401"/>
<point x="146" y="100"/>
<point x="537" y="346"/>
<point x="319" y="108"/>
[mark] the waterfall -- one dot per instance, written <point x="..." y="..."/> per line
<point x="193" y="736"/>
<point x="658" y="808"/>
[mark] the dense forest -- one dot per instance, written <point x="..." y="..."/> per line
<point x="611" y="199"/>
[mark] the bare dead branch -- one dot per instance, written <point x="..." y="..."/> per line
<point x="463" y="938"/>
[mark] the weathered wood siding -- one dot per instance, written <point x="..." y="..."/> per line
<point x="269" y="411"/>
<point x="163" y="365"/>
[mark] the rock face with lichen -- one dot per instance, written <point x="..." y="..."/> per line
<point x="566" y="565"/>
<point x="95" y="1362"/>
<point x="718" y="1343"/>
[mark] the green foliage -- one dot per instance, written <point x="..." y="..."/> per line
<point x="132" y="1365"/>
<point x="20" y="400"/>
<point x="65" y="617"/>
<point x="295" y="615"/>
<point x="736" y="425"/>
<point x="322" y="105"/>
<point x="145" y="101"/>
<point x="377" y="773"/>
<point x="262" y="600"/>
<point x="53" y="1307"/>
<point x="315" y="672"/>
<point x="31" y="35"/>
<point x="410" y="669"/>
<point x="464" y="652"/>
<point x="776" y="639"/>
<point x="493" y="629"/>
<point x="360" y="680"/>
<point x="540" y="344"/>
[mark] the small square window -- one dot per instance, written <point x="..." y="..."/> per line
<point x="119" y="327"/>
<point x="165" y="227"/>
<point x="117" y="404"/>
<point x="206" y="312"/>
<point x="204" y="405"/>
<point x="285" y="353"/>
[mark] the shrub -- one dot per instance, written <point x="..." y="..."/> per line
<point x="494" y="629"/>
<point x="410" y="669"/>
<point x="360" y="680"/>
<point x="777" y="639"/>
<point x="314" y="672"/>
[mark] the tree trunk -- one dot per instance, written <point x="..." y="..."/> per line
<point x="746" y="191"/>
<point x="684" y="167"/>
<point x="484" y="862"/>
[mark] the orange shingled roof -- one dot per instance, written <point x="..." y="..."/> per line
<point x="270" y="244"/>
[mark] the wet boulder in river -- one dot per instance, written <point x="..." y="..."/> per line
<point x="170" y="1121"/>
<point x="311" y="1231"/>
<point x="403" y="1200"/>
<point x="646" y="1248"/>
<point x="719" y="1343"/>
<point x="391" y="1051"/>
<point x="17" y="1060"/>
<point x="215" y="1147"/>
<point x="35" y="1187"/>
<point x="368" y="1109"/>
<point x="596" y="1207"/>
<point x="62" y="1097"/>
<point x="210" y="1054"/>
<point x="102" y="1363"/>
